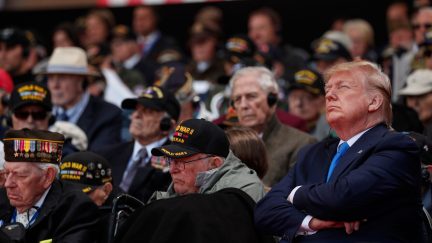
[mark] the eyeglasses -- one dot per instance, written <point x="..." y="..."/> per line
<point x="426" y="26"/>
<point x="38" y="115"/>
<point x="182" y="164"/>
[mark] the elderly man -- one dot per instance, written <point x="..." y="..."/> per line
<point x="67" y="80"/>
<point x="370" y="190"/>
<point x="254" y="95"/>
<point x="47" y="208"/>
<point x="418" y="96"/>
<point x="200" y="161"/>
<point x="135" y="171"/>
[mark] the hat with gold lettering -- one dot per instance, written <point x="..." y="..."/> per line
<point x="87" y="169"/>
<point x="309" y="80"/>
<point x="195" y="136"/>
<point x="157" y="98"/>
<point x="37" y="146"/>
<point x="30" y="93"/>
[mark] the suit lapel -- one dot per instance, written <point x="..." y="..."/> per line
<point x="49" y="203"/>
<point x="361" y="146"/>
<point x="86" y="118"/>
<point x="120" y="161"/>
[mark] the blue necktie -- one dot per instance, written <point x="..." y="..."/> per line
<point x="341" y="151"/>
<point x="130" y="172"/>
<point x="62" y="116"/>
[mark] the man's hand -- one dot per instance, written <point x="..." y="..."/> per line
<point x="318" y="224"/>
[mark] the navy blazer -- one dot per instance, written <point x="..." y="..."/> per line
<point x="101" y="122"/>
<point x="147" y="180"/>
<point x="377" y="179"/>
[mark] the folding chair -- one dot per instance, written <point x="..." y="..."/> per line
<point x="123" y="206"/>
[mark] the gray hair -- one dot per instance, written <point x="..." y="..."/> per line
<point x="263" y="75"/>
<point x="45" y="166"/>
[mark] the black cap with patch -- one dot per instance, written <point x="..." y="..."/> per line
<point x="195" y="136"/>
<point x="157" y="98"/>
<point x="15" y="36"/>
<point x="309" y="80"/>
<point x="330" y="50"/>
<point x="87" y="169"/>
<point x="30" y="93"/>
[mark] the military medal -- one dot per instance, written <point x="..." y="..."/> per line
<point x="32" y="148"/>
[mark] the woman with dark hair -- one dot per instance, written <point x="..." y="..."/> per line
<point x="249" y="148"/>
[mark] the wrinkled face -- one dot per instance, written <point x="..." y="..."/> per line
<point x="144" y="21"/>
<point x="31" y="117"/>
<point x="11" y="58"/>
<point x="346" y="100"/>
<point x="66" y="89"/>
<point x="421" y="24"/>
<point x="203" y="51"/>
<point x="422" y="104"/>
<point x="184" y="173"/>
<point x="261" y="30"/>
<point x="25" y="183"/>
<point x="98" y="196"/>
<point x="250" y="103"/>
<point x="305" y="105"/>
<point x="145" y="123"/>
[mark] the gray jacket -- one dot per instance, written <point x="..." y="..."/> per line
<point x="233" y="173"/>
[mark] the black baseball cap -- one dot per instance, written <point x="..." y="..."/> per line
<point x="123" y="32"/>
<point x="239" y="47"/>
<point x="87" y="169"/>
<point x="309" y="80"/>
<point x="330" y="50"/>
<point x="195" y="136"/>
<point x="30" y="93"/>
<point x="15" y="36"/>
<point x="157" y="98"/>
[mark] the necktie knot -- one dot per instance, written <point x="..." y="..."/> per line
<point x="62" y="116"/>
<point x="341" y="151"/>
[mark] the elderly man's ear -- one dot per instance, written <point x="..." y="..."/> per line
<point x="50" y="176"/>
<point x="375" y="102"/>
<point x="216" y="162"/>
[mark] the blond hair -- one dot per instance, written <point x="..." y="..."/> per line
<point x="374" y="78"/>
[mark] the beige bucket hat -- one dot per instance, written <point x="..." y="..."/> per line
<point x="68" y="60"/>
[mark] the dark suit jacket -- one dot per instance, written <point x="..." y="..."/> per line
<point x="67" y="215"/>
<point x="147" y="180"/>
<point x="377" y="179"/>
<point x="224" y="216"/>
<point x="101" y="122"/>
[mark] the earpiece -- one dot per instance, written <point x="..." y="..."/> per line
<point x="165" y="124"/>
<point x="272" y="99"/>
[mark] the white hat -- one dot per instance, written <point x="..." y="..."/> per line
<point x="418" y="83"/>
<point x="68" y="60"/>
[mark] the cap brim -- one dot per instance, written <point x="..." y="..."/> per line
<point x="173" y="151"/>
<point x="414" y="91"/>
<point x="326" y="57"/>
<point x="131" y="104"/>
<point x="25" y="103"/>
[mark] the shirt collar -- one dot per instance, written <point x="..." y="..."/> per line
<point x="132" y="61"/>
<point x="354" y="139"/>
<point x="74" y="112"/>
<point x="148" y="147"/>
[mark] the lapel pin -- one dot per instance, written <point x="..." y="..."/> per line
<point x="360" y="151"/>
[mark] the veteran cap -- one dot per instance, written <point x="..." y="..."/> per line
<point x="30" y="93"/>
<point x="195" y="136"/>
<point x="157" y="98"/>
<point x="87" y="169"/>
<point x="37" y="146"/>
<point x="309" y="80"/>
<point x="239" y="47"/>
<point x="329" y="50"/>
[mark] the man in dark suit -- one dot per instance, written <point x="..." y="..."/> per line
<point x="67" y="72"/>
<point x="370" y="190"/>
<point x="48" y="209"/>
<point x="134" y="170"/>
<point x="151" y="41"/>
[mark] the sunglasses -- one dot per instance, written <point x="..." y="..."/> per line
<point x="426" y="26"/>
<point x="38" y="115"/>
